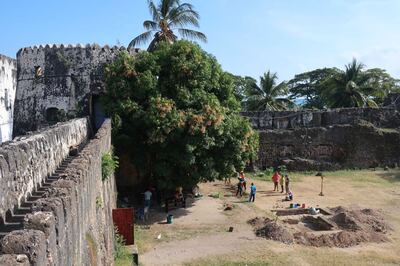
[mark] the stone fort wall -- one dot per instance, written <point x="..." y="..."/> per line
<point x="8" y="84"/>
<point x="380" y="117"/>
<point x="28" y="160"/>
<point x="59" y="80"/>
<point x="328" y="140"/>
<point x="72" y="223"/>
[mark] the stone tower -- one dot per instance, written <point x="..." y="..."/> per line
<point x="59" y="82"/>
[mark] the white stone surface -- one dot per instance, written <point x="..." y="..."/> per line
<point x="8" y="84"/>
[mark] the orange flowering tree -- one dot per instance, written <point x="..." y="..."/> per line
<point x="174" y="111"/>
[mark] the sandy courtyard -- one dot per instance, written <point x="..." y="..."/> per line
<point x="199" y="234"/>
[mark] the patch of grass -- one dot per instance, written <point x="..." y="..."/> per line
<point x="92" y="248"/>
<point x="363" y="177"/>
<point x="299" y="256"/>
<point x="144" y="239"/>
<point x="367" y="177"/>
<point x="223" y="262"/>
<point x="216" y="195"/>
<point x="125" y="259"/>
<point x="266" y="176"/>
<point x="109" y="162"/>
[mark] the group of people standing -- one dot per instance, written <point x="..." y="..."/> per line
<point x="279" y="180"/>
<point x="282" y="180"/>
<point x="242" y="185"/>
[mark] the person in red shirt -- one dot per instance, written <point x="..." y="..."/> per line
<point x="275" y="178"/>
<point x="242" y="179"/>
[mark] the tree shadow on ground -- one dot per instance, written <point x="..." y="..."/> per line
<point x="271" y="194"/>
<point x="158" y="214"/>
<point x="392" y="177"/>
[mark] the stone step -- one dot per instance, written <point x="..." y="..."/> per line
<point x="8" y="227"/>
<point x="16" y="218"/>
<point x="23" y="210"/>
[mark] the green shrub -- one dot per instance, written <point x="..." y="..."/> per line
<point x="109" y="162"/>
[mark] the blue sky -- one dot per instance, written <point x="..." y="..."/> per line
<point x="247" y="37"/>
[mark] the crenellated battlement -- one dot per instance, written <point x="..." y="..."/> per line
<point x="7" y="60"/>
<point x="56" y="78"/>
<point x="36" y="49"/>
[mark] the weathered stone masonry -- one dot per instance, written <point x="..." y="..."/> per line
<point x="59" y="80"/>
<point x="72" y="225"/>
<point x="333" y="139"/>
<point x="8" y="84"/>
<point x="28" y="160"/>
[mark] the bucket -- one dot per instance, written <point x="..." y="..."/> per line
<point x="170" y="219"/>
<point x="303" y="206"/>
<point x="291" y="205"/>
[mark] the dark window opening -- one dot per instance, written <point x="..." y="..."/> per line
<point x="38" y="72"/>
<point x="54" y="115"/>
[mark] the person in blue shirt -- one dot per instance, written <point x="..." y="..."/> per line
<point x="253" y="190"/>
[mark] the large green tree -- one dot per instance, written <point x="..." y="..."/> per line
<point x="268" y="95"/>
<point x="169" y="16"/>
<point x="353" y="87"/>
<point x="308" y="87"/>
<point x="175" y="113"/>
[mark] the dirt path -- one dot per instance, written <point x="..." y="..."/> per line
<point x="177" y="252"/>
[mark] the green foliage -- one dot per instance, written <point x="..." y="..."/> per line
<point x="267" y="96"/>
<point x="92" y="248"/>
<point x="99" y="202"/>
<point x="169" y="16"/>
<point x="120" y="251"/>
<point x="174" y="111"/>
<point x="309" y="86"/>
<point x="352" y="87"/>
<point x="109" y="162"/>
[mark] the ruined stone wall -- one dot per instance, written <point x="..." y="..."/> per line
<point x="59" y="80"/>
<point x="380" y="117"/>
<point x="333" y="139"/>
<point x="72" y="225"/>
<point x="8" y="84"/>
<point x="26" y="161"/>
<point x="331" y="148"/>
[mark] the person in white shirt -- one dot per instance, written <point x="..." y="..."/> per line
<point x="147" y="198"/>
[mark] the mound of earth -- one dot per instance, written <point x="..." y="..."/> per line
<point x="271" y="229"/>
<point x="356" y="226"/>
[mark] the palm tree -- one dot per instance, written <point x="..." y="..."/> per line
<point x="267" y="95"/>
<point x="350" y="88"/>
<point x="168" y="16"/>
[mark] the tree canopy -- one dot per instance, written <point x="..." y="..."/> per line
<point x="169" y="16"/>
<point x="266" y="96"/>
<point x="353" y="87"/>
<point x="174" y="111"/>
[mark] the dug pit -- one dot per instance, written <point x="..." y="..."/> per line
<point x="335" y="227"/>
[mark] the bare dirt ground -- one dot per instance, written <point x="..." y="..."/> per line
<point x="199" y="234"/>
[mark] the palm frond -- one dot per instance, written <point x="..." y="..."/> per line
<point x="371" y="103"/>
<point x="150" y="25"/>
<point x="192" y="34"/>
<point x="166" y="6"/>
<point x="141" y="39"/>
<point x="153" y="10"/>
<point x="182" y="20"/>
<point x="184" y="9"/>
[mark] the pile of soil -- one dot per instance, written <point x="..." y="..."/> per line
<point x="356" y="226"/>
<point x="355" y="220"/>
<point x="272" y="230"/>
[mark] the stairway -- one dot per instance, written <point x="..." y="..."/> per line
<point x="14" y="219"/>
